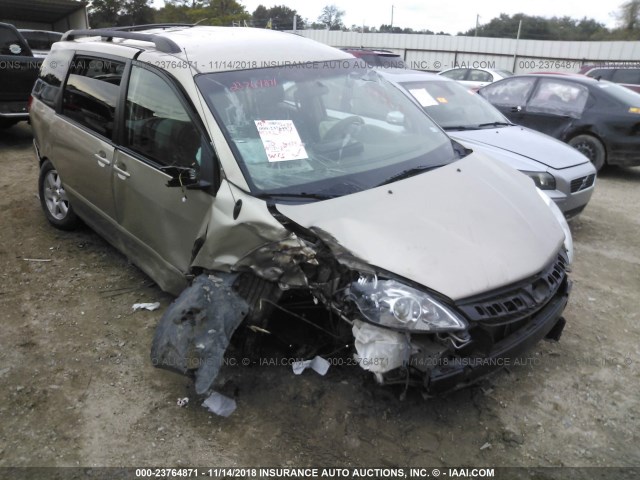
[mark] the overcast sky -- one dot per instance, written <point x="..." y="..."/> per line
<point x="440" y="15"/>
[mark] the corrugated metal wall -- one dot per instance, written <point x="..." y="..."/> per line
<point x="438" y="52"/>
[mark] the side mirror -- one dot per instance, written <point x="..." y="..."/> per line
<point x="186" y="178"/>
<point x="181" y="176"/>
<point x="206" y="177"/>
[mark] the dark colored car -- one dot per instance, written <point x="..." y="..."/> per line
<point x="40" y="41"/>
<point x="17" y="75"/>
<point x="599" y="118"/>
<point x="377" y="57"/>
<point x="626" y="76"/>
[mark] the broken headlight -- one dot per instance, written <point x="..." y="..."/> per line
<point x="392" y="304"/>
<point x="568" y="239"/>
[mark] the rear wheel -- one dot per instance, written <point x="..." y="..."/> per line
<point x="53" y="199"/>
<point x="590" y="147"/>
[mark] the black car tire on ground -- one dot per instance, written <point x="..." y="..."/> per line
<point x="592" y="148"/>
<point x="53" y="199"/>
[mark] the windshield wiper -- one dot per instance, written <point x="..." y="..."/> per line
<point x="313" y="196"/>
<point x="461" y="127"/>
<point x="407" y="173"/>
<point x="495" y="124"/>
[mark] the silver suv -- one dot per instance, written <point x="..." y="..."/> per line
<point x="228" y="164"/>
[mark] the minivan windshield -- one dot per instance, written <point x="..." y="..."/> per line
<point x="322" y="129"/>
<point x="455" y="107"/>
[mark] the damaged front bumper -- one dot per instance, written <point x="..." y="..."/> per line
<point x="460" y="371"/>
<point x="502" y="327"/>
<point x="400" y="332"/>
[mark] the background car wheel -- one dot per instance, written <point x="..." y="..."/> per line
<point x="54" y="199"/>
<point x="591" y="147"/>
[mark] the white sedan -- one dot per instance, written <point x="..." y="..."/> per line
<point x="475" y="78"/>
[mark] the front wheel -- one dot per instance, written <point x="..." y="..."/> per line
<point x="590" y="147"/>
<point x="53" y="199"/>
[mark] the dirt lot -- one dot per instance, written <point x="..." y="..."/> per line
<point x="78" y="387"/>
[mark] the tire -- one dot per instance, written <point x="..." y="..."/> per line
<point x="53" y="199"/>
<point x="592" y="148"/>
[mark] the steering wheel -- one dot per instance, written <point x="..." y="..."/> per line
<point x="340" y="129"/>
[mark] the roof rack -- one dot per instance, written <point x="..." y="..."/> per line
<point x="367" y="49"/>
<point x="163" y="26"/>
<point x="163" y="44"/>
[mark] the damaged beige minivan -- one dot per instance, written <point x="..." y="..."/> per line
<point x="227" y="164"/>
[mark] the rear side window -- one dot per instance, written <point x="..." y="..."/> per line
<point x="621" y="95"/>
<point x="626" y="75"/>
<point x="558" y="97"/>
<point x="511" y="92"/>
<point x="157" y="124"/>
<point x="52" y="72"/>
<point x="457" y="74"/>
<point x="480" y="76"/>
<point x="91" y="93"/>
<point x="38" y="40"/>
<point x="604" y="73"/>
<point x="10" y="43"/>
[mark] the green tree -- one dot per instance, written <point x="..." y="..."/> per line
<point x="331" y="17"/>
<point x="105" y="13"/>
<point x="281" y="17"/>
<point x="174" y="12"/>
<point x="204" y="12"/>
<point x="111" y="13"/>
<point x="220" y="12"/>
<point x="385" y="28"/>
<point x="186" y="3"/>
<point x="540" y="28"/>
<point x="589" y="29"/>
<point x="629" y="15"/>
<point x="137" y="12"/>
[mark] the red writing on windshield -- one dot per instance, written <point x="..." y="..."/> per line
<point x="264" y="83"/>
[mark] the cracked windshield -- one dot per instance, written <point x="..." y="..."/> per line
<point x="322" y="129"/>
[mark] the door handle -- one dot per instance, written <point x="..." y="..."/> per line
<point x="121" y="170"/>
<point x="103" y="161"/>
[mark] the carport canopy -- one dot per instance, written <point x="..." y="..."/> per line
<point x="58" y="15"/>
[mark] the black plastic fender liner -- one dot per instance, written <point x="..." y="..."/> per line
<point x="195" y="331"/>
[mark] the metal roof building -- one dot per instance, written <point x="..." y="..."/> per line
<point x="438" y="52"/>
<point x="55" y="15"/>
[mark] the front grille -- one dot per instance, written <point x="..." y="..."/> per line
<point x="515" y="302"/>
<point x="582" y="183"/>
